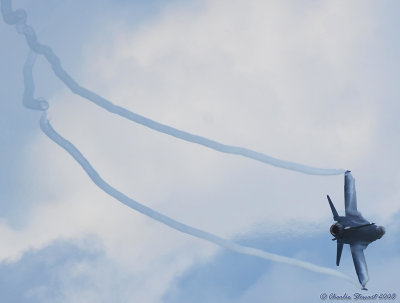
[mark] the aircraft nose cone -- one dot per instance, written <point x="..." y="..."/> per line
<point x="380" y="231"/>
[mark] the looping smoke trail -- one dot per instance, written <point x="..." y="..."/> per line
<point x="29" y="86"/>
<point x="18" y="18"/>
<point x="107" y="188"/>
<point x="96" y="178"/>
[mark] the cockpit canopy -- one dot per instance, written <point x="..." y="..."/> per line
<point x="380" y="230"/>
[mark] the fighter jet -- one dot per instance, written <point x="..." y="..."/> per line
<point x="353" y="229"/>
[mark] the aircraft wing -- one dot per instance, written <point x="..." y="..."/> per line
<point x="357" y="251"/>
<point x="350" y="199"/>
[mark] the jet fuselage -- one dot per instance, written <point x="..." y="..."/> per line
<point x="365" y="234"/>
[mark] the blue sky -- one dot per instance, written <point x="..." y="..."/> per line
<point x="313" y="82"/>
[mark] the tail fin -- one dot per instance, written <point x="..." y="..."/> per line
<point x="339" y="252"/>
<point x="334" y="212"/>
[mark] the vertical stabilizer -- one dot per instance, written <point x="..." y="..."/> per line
<point x="334" y="212"/>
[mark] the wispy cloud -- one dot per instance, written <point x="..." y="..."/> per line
<point x="285" y="79"/>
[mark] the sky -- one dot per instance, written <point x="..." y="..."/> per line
<point x="312" y="82"/>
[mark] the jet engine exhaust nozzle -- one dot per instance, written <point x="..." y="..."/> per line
<point x="337" y="230"/>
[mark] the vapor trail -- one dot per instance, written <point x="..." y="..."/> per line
<point x="18" y="18"/>
<point x="42" y="105"/>
<point x="46" y="127"/>
<point x="195" y="232"/>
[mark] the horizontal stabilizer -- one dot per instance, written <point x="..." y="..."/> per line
<point x="339" y="252"/>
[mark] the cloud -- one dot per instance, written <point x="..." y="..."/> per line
<point x="230" y="277"/>
<point x="39" y="275"/>
<point x="281" y="78"/>
<point x="67" y="270"/>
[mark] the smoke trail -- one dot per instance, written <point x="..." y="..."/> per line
<point x="29" y="86"/>
<point x="46" y="127"/>
<point x="96" y="178"/>
<point x="19" y="17"/>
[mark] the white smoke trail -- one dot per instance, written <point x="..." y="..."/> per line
<point x="98" y="180"/>
<point x="19" y="17"/>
